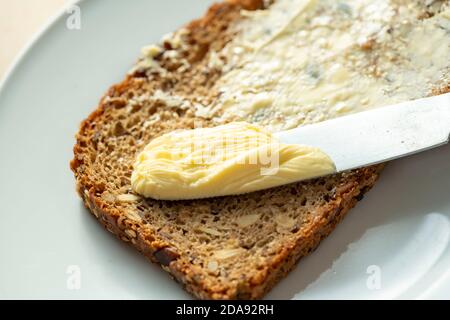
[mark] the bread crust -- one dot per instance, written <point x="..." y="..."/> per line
<point x="286" y="259"/>
<point x="350" y="189"/>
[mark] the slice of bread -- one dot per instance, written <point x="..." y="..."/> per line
<point x="234" y="247"/>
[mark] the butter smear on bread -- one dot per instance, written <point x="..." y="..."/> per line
<point x="230" y="159"/>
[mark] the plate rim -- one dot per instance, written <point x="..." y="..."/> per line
<point x="46" y="27"/>
<point x="32" y="41"/>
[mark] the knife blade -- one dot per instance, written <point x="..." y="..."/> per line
<point x="378" y="135"/>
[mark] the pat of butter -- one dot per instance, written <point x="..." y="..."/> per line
<point x="225" y="160"/>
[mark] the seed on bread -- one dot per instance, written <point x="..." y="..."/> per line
<point x="165" y="256"/>
<point x="133" y="216"/>
<point x="108" y="197"/>
<point x="285" y="221"/>
<point x="213" y="266"/>
<point x="151" y="51"/>
<point x="228" y="253"/>
<point x="210" y="231"/>
<point x="247" y="220"/>
<point x="131" y="233"/>
<point x="128" y="198"/>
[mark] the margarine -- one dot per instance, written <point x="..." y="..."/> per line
<point x="304" y="61"/>
<point x="225" y="160"/>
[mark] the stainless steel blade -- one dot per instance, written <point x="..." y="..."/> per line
<point x="378" y="135"/>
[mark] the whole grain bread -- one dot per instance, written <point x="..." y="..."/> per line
<point x="235" y="247"/>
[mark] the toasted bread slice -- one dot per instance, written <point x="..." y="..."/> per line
<point x="234" y="247"/>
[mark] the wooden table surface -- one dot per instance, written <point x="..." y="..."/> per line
<point x="19" y="20"/>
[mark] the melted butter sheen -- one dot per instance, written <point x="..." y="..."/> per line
<point x="230" y="159"/>
<point x="305" y="61"/>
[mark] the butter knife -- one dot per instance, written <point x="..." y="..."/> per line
<point x="378" y="135"/>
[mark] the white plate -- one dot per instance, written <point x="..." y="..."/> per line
<point x="400" y="231"/>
